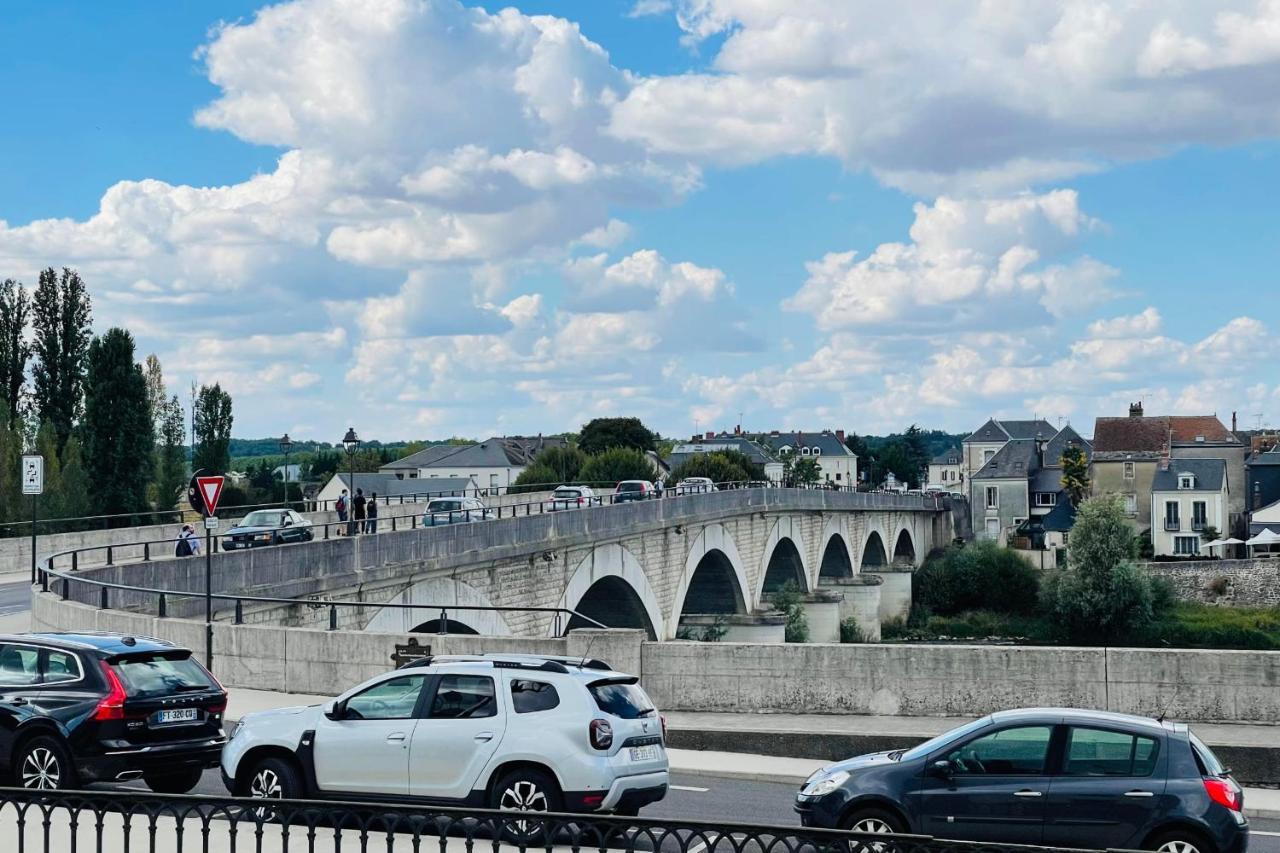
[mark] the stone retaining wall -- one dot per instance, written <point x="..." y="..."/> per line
<point x="1247" y="583"/>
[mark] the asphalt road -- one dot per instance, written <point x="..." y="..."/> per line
<point x="705" y="798"/>
<point x="15" y="597"/>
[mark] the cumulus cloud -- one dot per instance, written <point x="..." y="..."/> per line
<point x="997" y="94"/>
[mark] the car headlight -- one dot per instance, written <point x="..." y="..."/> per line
<point x="264" y="537"/>
<point x="823" y="785"/>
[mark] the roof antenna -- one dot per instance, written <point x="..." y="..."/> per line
<point x="1165" y="710"/>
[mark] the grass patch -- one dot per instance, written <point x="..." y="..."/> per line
<point x="1203" y="626"/>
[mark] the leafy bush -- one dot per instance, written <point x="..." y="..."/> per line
<point x="851" y="632"/>
<point x="1196" y="625"/>
<point x="713" y="633"/>
<point x="610" y="467"/>
<point x="790" y="601"/>
<point x="979" y="576"/>
<point x="534" y="479"/>
<point x="721" y="466"/>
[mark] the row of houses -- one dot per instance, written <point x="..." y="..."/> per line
<point x="837" y="464"/>
<point x="1183" y="480"/>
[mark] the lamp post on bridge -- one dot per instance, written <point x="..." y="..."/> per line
<point x="351" y="441"/>
<point x="286" y="445"/>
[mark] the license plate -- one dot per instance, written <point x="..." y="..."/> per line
<point x="645" y="753"/>
<point x="178" y="715"/>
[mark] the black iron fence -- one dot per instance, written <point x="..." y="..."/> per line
<point x="126" y="822"/>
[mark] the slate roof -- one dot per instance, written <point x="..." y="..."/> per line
<point x="1061" y="518"/>
<point x="952" y="456"/>
<point x="1185" y="429"/>
<point x="495" y="452"/>
<point x="1210" y="474"/>
<point x="1130" y="438"/>
<point x="1017" y="459"/>
<point x="1271" y="457"/>
<point x="1067" y="437"/>
<point x="1047" y="480"/>
<point x="826" y="440"/>
<point x="998" y="430"/>
<point x="687" y="449"/>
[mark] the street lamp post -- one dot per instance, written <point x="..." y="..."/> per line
<point x="351" y="441"/>
<point x="286" y="445"/>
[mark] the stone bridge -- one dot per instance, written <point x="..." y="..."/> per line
<point x="645" y="565"/>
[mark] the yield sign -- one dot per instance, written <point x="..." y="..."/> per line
<point x="210" y="490"/>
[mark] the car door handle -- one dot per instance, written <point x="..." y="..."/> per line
<point x="1139" y="793"/>
<point x="1028" y="793"/>
<point x="395" y="738"/>
<point x="484" y="737"/>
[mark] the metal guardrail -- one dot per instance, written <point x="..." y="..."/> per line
<point x="125" y="822"/>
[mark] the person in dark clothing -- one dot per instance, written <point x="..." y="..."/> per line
<point x="371" y="514"/>
<point x="357" y="511"/>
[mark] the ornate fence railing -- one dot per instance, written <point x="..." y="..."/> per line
<point x="126" y="822"/>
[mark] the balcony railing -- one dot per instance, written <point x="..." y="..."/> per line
<point x="1172" y="525"/>
<point x="1199" y="524"/>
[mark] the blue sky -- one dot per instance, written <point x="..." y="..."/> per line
<point x="429" y="219"/>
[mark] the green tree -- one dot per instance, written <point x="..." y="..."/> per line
<point x="916" y="451"/>
<point x="979" y="576"/>
<point x="803" y="471"/>
<point x="1075" y="474"/>
<point x="15" y="310"/>
<point x="171" y="455"/>
<point x="610" y="467"/>
<point x="213" y="430"/>
<point x="61" y="318"/>
<point x="1103" y="597"/>
<point x="77" y="502"/>
<point x="718" y="466"/>
<point x="604" y="433"/>
<point x="12" y="504"/>
<point x="51" y="502"/>
<point x="118" y="427"/>
<point x="536" y="478"/>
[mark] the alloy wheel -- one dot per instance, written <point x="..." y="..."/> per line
<point x="875" y="826"/>
<point x="1178" y="846"/>
<point x="41" y="769"/>
<point x="266" y="786"/>
<point x="524" y="796"/>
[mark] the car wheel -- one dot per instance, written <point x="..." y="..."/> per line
<point x="1179" y="841"/>
<point x="526" y="790"/>
<point x="874" y="822"/>
<point x="43" y="763"/>
<point x="181" y="782"/>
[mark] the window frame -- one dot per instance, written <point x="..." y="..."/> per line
<point x="993" y="497"/>
<point x="414" y="714"/>
<point x="429" y="696"/>
<point x="1046" y="499"/>
<point x="1194" y="545"/>
<point x="42" y="659"/>
<point x="1052" y="750"/>
<point x="1061" y="769"/>
<point x="1130" y="471"/>
<point x="511" y="688"/>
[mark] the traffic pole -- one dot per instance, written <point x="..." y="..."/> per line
<point x="34" y="500"/>
<point x="208" y="599"/>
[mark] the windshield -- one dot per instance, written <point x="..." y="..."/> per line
<point x="944" y="739"/>
<point x="444" y="506"/>
<point x="156" y="675"/>
<point x="566" y="493"/>
<point x="264" y="518"/>
<point x="625" y="700"/>
<point x="631" y="486"/>
<point x="1209" y="763"/>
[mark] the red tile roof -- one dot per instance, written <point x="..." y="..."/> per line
<point x="1187" y="427"/>
<point x="1131" y="435"/>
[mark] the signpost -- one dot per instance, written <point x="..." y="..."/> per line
<point x="33" y="484"/>
<point x="203" y="493"/>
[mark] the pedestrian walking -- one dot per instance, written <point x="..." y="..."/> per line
<point x="358" y="511"/>
<point x="188" y="543"/>
<point x="341" y="506"/>
<point x="371" y="514"/>
<point x="658" y="487"/>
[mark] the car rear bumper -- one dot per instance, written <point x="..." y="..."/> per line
<point x="635" y="791"/>
<point x="108" y="765"/>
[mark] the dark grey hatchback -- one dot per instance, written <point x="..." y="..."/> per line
<point x="1056" y="777"/>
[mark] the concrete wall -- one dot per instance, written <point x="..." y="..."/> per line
<point x="1249" y="583"/>
<point x="895" y="593"/>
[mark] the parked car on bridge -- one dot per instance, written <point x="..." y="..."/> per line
<point x="510" y="732"/>
<point x="571" y="497"/>
<point x="695" y="486"/>
<point x="268" y="527"/>
<point x="454" y="510"/>
<point x="81" y="708"/>
<point x="633" y="490"/>
<point x="1057" y="777"/>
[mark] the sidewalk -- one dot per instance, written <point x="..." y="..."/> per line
<point x="749" y="731"/>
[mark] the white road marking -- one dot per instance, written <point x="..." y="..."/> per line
<point x="1263" y="832"/>
<point x="698" y="847"/>
<point x="689" y="788"/>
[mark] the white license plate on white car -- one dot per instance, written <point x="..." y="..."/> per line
<point x="646" y="753"/>
<point x="178" y="715"/>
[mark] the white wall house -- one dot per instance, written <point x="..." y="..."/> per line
<point x="836" y="462"/>
<point x="946" y="471"/>
<point x="1187" y="496"/>
<point x="493" y="464"/>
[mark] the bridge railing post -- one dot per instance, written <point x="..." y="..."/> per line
<point x="333" y="617"/>
<point x="444" y="621"/>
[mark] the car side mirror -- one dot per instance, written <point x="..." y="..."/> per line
<point x="335" y="710"/>
<point x="942" y="769"/>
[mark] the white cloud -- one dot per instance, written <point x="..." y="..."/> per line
<point x="1137" y="325"/>
<point x="971" y="97"/>
<point x="647" y="8"/>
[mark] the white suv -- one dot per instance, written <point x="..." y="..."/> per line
<point x="511" y="732"/>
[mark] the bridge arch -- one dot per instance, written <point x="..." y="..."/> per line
<point x="712" y="574"/>
<point x="874" y="554"/>
<point x="442" y="592"/>
<point x="783" y="559"/>
<point x="610" y="586"/>
<point x="837" y="560"/>
<point x="904" y="548"/>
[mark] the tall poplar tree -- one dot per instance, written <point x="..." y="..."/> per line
<point x="118" y="430"/>
<point x="213" y="430"/>
<point x="15" y="311"/>
<point x="61" y="316"/>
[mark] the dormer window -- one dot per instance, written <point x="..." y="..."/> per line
<point x="804" y="451"/>
<point x="785" y="450"/>
<point x="817" y="451"/>
<point x="1186" y="481"/>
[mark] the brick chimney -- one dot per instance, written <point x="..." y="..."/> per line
<point x="840" y="435"/>
<point x="1233" y="421"/>
<point x="1135" y="410"/>
<point x="710" y="434"/>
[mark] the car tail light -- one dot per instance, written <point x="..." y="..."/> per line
<point x="663" y="717"/>
<point x="579" y="501"/>
<point x="601" y="734"/>
<point x="1224" y="792"/>
<point x="111" y="706"/>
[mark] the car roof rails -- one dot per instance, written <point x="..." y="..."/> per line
<point x="577" y="663"/>
<point x="501" y="661"/>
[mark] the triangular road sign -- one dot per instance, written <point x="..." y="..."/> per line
<point x="210" y="490"/>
